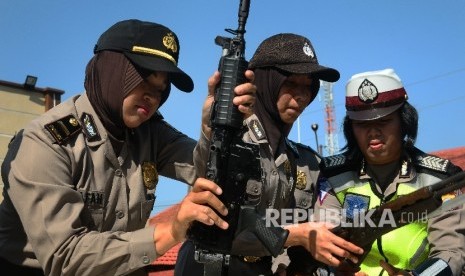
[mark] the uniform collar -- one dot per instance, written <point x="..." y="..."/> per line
<point x="406" y="170"/>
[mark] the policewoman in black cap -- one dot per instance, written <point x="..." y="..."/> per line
<point x="381" y="163"/>
<point x="287" y="76"/>
<point x="80" y="180"/>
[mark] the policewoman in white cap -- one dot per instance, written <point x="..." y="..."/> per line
<point x="380" y="163"/>
<point x="80" y="180"/>
<point x="287" y="76"/>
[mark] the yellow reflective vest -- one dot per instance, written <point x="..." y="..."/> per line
<point x="405" y="247"/>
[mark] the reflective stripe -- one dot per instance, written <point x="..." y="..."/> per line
<point x="435" y="268"/>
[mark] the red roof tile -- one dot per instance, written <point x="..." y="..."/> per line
<point x="164" y="265"/>
<point x="169" y="258"/>
<point x="456" y="155"/>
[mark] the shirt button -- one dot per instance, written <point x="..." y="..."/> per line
<point x="145" y="260"/>
<point x="274" y="172"/>
<point x="119" y="214"/>
<point x="118" y="172"/>
<point x="268" y="203"/>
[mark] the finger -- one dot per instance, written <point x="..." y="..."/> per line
<point x="347" y="245"/>
<point x="209" y="217"/>
<point x="389" y="268"/>
<point x="244" y="100"/>
<point x="212" y="82"/>
<point x="246" y="110"/>
<point x="207" y="198"/>
<point x="244" y="89"/>
<point x="203" y="184"/>
<point x="331" y="261"/>
<point x="342" y="254"/>
<point x="250" y="75"/>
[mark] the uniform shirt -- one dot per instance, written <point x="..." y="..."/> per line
<point x="72" y="205"/>
<point x="278" y="189"/>
<point x="417" y="171"/>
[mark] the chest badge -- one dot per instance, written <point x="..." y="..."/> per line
<point x="301" y="182"/>
<point x="149" y="175"/>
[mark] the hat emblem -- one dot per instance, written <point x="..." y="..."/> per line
<point x="367" y="91"/>
<point x="308" y="50"/>
<point x="170" y="42"/>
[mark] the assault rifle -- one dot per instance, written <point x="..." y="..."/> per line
<point x="419" y="205"/>
<point x="231" y="163"/>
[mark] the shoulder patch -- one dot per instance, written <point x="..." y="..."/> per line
<point x="257" y="129"/>
<point x="354" y="204"/>
<point x="63" y="129"/>
<point x="90" y="129"/>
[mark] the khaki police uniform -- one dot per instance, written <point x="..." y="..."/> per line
<point x="278" y="190"/>
<point x="418" y="170"/>
<point x="73" y="207"/>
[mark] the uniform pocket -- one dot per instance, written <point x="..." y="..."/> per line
<point x="303" y="199"/>
<point x="146" y="207"/>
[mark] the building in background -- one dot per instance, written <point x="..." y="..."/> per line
<point x="20" y="103"/>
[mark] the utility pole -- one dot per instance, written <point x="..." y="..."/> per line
<point x="318" y="148"/>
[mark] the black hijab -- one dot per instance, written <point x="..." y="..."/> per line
<point x="269" y="81"/>
<point x="110" y="77"/>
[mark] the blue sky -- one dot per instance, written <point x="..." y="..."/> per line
<point x="423" y="40"/>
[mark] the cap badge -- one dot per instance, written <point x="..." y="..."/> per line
<point x="170" y="42"/>
<point x="308" y="50"/>
<point x="367" y="92"/>
<point x="150" y="175"/>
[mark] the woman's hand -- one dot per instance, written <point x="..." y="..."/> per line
<point x="324" y="246"/>
<point x="393" y="271"/>
<point x="200" y="204"/>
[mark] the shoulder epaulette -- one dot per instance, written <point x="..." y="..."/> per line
<point x="63" y="129"/>
<point x="336" y="164"/>
<point x="334" y="161"/>
<point x="433" y="163"/>
<point x="305" y="147"/>
<point x="164" y="122"/>
<point x="293" y="147"/>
